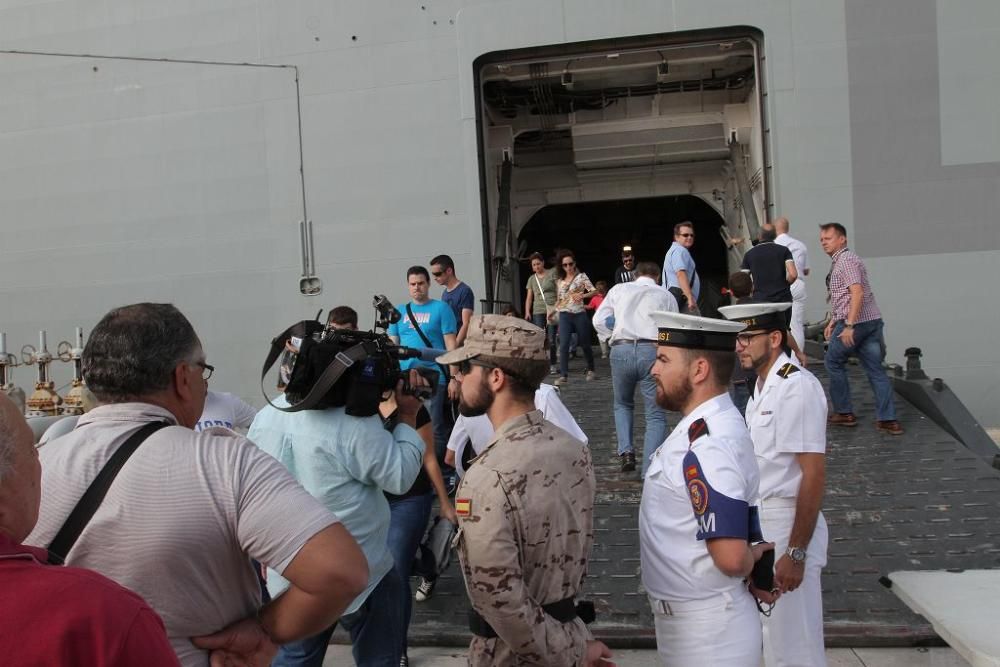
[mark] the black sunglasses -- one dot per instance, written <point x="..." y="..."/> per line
<point x="465" y="367"/>
<point x="437" y="274"/>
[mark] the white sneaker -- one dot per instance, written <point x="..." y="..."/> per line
<point x="561" y="381"/>
<point x="553" y="370"/>
<point x="590" y="376"/>
<point x="425" y="589"/>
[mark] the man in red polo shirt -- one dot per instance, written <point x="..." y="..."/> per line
<point x="51" y="615"/>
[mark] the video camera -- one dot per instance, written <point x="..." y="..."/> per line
<point x="324" y="367"/>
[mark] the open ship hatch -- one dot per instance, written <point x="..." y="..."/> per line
<point x="656" y="118"/>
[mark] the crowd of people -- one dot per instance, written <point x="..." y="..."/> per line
<point x="184" y="541"/>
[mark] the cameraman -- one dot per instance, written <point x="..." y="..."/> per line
<point x="410" y="511"/>
<point x="347" y="462"/>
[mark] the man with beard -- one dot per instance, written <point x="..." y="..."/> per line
<point x="694" y="562"/>
<point x="525" y="508"/>
<point x="787" y="419"/>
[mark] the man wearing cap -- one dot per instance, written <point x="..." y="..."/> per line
<point x="633" y="350"/>
<point x="525" y="507"/>
<point x="697" y="519"/>
<point x="787" y="419"/>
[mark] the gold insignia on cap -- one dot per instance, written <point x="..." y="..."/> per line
<point x="664" y="336"/>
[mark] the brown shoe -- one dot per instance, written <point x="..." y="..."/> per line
<point x="891" y="427"/>
<point x="842" y="419"/>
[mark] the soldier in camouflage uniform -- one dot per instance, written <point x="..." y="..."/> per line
<point x="525" y="508"/>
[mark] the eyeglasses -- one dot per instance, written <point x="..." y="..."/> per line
<point x="569" y="263"/>
<point x="437" y="274"/>
<point x="206" y="370"/>
<point x="686" y="236"/>
<point x="744" y="339"/>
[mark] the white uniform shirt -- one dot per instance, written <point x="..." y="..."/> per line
<point x="226" y="410"/>
<point x="631" y="304"/>
<point x="799" y="252"/>
<point x="479" y="430"/>
<point x="697" y="489"/>
<point x="787" y="416"/>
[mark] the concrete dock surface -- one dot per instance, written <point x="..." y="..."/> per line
<point x="432" y="656"/>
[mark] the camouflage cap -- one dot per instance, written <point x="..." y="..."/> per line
<point x="499" y="336"/>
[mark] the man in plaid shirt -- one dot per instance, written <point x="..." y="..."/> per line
<point x="855" y="328"/>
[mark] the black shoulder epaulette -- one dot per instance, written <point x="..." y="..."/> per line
<point x="787" y="370"/>
<point x="697" y="429"/>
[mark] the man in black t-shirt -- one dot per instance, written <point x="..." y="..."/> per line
<point x="772" y="268"/>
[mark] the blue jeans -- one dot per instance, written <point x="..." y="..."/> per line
<point x="570" y="323"/>
<point x="540" y="320"/>
<point x="407" y="524"/>
<point x="631" y="364"/>
<point x="869" y="347"/>
<point x="376" y="628"/>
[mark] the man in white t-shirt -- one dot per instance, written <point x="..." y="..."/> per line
<point x="479" y="430"/>
<point x="787" y="419"/>
<point x="801" y="256"/>
<point x="225" y="410"/>
<point x="183" y="518"/>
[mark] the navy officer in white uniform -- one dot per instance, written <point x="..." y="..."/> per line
<point x="697" y="517"/>
<point x="787" y="419"/>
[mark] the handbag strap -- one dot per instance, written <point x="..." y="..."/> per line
<point x="423" y="337"/>
<point x="541" y="291"/>
<point x="94" y="495"/>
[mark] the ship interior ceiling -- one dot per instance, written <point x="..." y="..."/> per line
<point x="597" y="231"/>
<point x="608" y="145"/>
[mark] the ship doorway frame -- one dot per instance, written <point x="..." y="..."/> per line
<point x="500" y="258"/>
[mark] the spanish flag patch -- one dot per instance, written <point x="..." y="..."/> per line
<point x="463" y="506"/>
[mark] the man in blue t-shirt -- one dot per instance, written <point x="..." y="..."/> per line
<point x="456" y="294"/>
<point x="437" y="322"/>
<point x="679" y="275"/>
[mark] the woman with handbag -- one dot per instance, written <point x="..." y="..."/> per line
<point x="572" y="287"/>
<point x="540" y="303"/>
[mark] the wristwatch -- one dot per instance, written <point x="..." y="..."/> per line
<point x="797" y="555"/>
<point x="848" y="325"/>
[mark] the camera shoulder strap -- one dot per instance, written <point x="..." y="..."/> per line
<point x="91" y="499"/>
<point x="340" y="364"/>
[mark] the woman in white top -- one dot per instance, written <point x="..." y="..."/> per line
<point x="573" y="286"/>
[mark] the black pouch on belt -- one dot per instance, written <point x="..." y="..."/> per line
<point x="762" y="575"/>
